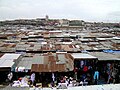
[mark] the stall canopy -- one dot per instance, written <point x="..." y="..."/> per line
<point x="8" y="60"/>
<point x="82" y="56"/>
<point x="102" y="56"/>
<point x="52" y="63"/>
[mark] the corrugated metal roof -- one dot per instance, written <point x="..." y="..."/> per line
<point x="52" y="63"/>
<point x="9" y="56"/>
<point x="38" y="60"/>
<point x="116" y="41"/>
<point x="47" y="68"/>
<point x="7" y="60"/>
<point x="104" y="56"/>
<point x="61" y="58"/>
<point x="25" y="62"/>
<point x="82" y="56"/>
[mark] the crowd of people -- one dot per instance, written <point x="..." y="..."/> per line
<point x="86" y="74"/>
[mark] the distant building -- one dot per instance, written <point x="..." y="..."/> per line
<point x="76" y="23"/>
<point x="64" y="22"/>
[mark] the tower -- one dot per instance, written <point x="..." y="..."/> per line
<point x="46" y="17"/>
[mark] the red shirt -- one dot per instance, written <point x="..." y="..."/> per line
<point x="85" y="69"/>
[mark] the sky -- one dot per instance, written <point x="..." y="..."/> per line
<point x="87" y="10"/>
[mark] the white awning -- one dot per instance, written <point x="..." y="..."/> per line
<point x="7" y="60"/>
<point x="82" y="56"/>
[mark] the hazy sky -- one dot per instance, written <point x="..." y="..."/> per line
<point x="88" y="10"/>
